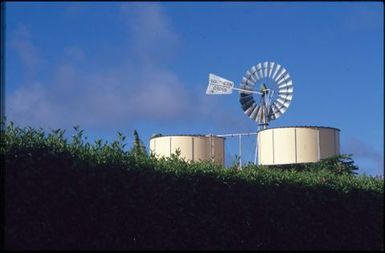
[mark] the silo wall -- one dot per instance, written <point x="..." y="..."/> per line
<point x="192" y="147"/>
<point x="289" y="145"/>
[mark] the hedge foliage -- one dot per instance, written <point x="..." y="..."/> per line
<point x="62" y="194"/>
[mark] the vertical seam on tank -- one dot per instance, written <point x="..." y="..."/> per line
<point x="192" y="148"/>
<point x="258" y="152"/>
<point x="318" y="146"/>
<point x="223" y="152"/>
<point x="213" y="150"/>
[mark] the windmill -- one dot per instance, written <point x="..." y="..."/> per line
<point x="266" y="91"/>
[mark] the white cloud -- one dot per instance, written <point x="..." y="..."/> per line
<point x="27" y="100"/>
<point x="114" y="96"/>
<point x="26" y="50"/>
<point x="151" y="31"/>
<point x="118" y="96"/>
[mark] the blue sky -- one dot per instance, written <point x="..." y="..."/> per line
<point x="122" y="66"/>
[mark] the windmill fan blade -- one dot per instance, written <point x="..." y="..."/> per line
<point x="262" y="116"/>
<point x="259" y="115"/>
<point x="249" y="110"/>
<point x="286" y="84"/>
<point x="284" y="78"/>
<point x="243" y="95"/>
<point x="276" y="71"/>
<point x="285" y="93"/>
<point x="283" y="109"/>
<point x="253" y="115"/>
<point x="244" y="81"/>
<point x="247" y="81"/>
<point x="246" y="105"/>
<point x="265" y="67"/>
<point x="246" y="88"/>
<point x="288" y="89"/>
<point x="283" y="71"/>
<point x="281" y="101"/>
<point x="279" y="105"/>
<point x="288" y="97"/>
<point x="250" y="76"/>
<point x="271" y="68"/>
<point x="260" y="70"/>
<point x="253" y="71"/>
<point x="287" y="103"/>
<point x="245" y="98"/>
<point x="273" y="109"/>
<point x="277" y="114"/>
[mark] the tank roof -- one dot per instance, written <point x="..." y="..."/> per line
<point x="184" y="135"/>
<point x="300" y="127"/>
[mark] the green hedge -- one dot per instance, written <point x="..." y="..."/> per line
<point x="64" y="194"/>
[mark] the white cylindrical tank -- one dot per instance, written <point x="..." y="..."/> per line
<point x="192" y="147"/>
<point x="301" y="144"/>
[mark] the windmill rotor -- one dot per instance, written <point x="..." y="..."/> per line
<point x="275" y="92"/>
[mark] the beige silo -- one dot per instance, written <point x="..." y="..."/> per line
<point x="288" y="145"/>
<point x="192" y="147"/>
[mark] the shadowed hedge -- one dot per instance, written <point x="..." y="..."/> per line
<point x="74" y="195"/>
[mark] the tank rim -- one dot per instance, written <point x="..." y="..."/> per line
<point x="313" y="127"/>
<point x="185" y="135"/>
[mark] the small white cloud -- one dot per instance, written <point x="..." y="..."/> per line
<point x="28" y="105"/>
<point x="160" y="95"/>
<point x="150" y="30"/>
<point x="28" y="54"/>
